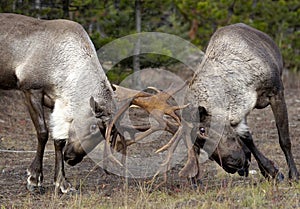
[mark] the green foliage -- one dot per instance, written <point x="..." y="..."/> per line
<point x="117" y="74"/>
<point x="280" y="19"/>
<point x="193" y="20"/>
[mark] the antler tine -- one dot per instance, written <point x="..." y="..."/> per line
<point x="134" y="94"/>
<point x="154" y="89"/>
<point x="107" y="149"/>
<point x="174" y="139"/>
<point x="158" y="115"/>
<point x="171" y="112"/>
<point x="191" y="168"/>
<point x="157" y="102"/>
<point x="116" y="117"/>
<point x="163" y="125"/>
<point x="164" y="167"/>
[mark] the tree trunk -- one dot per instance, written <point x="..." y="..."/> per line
<point x="13" y="5"/>
<point x="37" y="6"/>
<point x="66" y="4"/>
<point x="136" y="59"/>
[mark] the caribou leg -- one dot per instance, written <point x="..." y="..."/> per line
<point x="281" y="117"/>
<point x="266" y="166"/>
<point x="61" y="184"/>
<point x="34" y="103"/>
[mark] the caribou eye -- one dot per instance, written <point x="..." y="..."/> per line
<point x="202" y="130"/>
<point x="93" y="128"/>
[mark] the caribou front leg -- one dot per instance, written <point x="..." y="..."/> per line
<point x="34" y="103"/>
<point x="266" y="166"/>
<point x="61" y="184"/>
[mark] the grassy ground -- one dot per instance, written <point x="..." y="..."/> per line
<point x="99" y="190"/>
<point x="224" y="192"/>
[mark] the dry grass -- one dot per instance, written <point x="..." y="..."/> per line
<point x="232" y="193"/>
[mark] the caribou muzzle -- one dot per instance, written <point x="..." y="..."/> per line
<point x="233" y="158"/>
<point x="73" y="154"/>
<point x="82" y="142"/>
<point x="242" y="168"/>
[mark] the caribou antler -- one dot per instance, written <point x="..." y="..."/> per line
<point x="157" y="105"/>
<point x="154" y="104"/>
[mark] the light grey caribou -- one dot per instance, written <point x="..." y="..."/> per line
<point x="241" y="70"/>
<point x="55" y="64"/>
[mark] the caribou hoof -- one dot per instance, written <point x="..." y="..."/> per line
<point x="35" y="189"/>
<point x="196" y="183"/>
<point x="294" y="175"/>
<point x="68" y="191"/>
<point x="72" y="191"/>
<point x="65" y="187"/>
<point x="279" y="177"/>
<point x="243" y="172"/>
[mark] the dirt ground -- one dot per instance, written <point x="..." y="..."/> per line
<point x="18" y="140"/>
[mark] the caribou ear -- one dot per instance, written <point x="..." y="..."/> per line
<point x="113" y="87"/>
<point x="98" y="110"/>
<point x="202" y="113"/>
<point x="93" y="104"/>
<point x="95" y="107"/>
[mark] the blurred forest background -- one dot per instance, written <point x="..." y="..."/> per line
<point x="193" y="20"/>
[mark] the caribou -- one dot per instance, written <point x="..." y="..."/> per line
<point x="55" y="64"/>
<point x="249" y="65"/>
<point x="241" y="70"/>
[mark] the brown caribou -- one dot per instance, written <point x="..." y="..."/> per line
<point x="55" y="64"/>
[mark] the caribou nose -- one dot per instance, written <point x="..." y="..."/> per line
<point x="72" y="162"/>
<point x="71" y="157"/>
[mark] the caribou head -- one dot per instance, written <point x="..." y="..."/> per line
<point x="224" y="146"/>
<point x="85" y="135"/>
<point x="82" y="140"/>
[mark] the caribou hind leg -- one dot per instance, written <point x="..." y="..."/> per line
<point x="34" y="102"/>
<point x="279" y="109"/>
